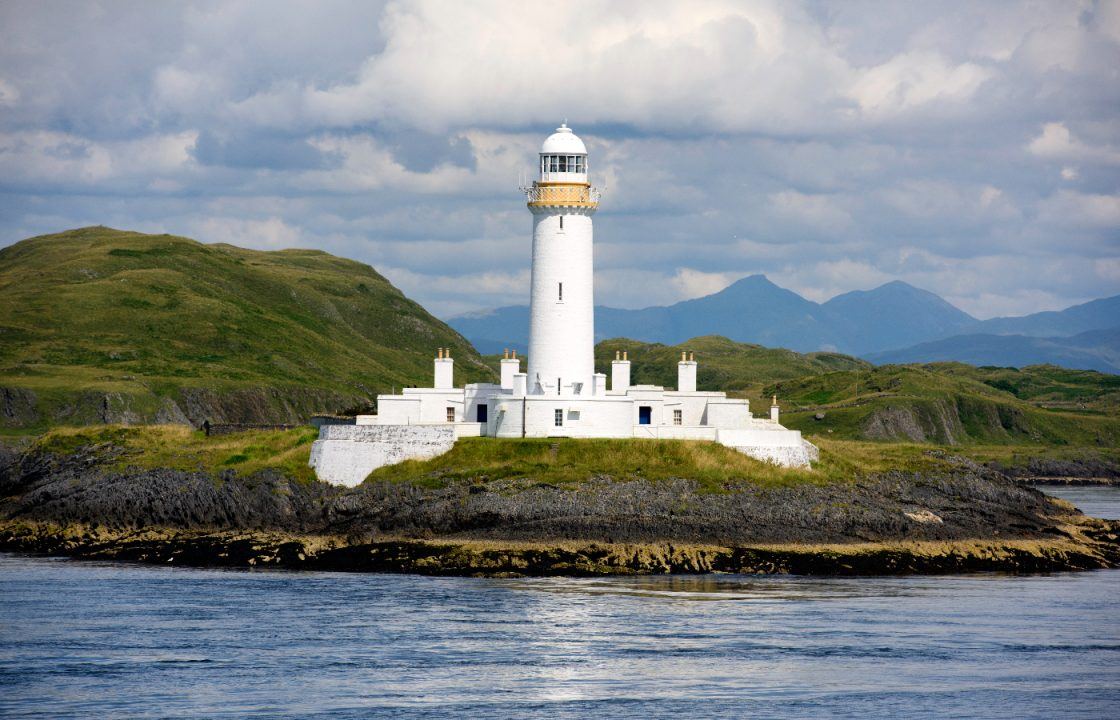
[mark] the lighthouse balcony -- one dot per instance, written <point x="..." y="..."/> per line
<point x="562" y="194"/>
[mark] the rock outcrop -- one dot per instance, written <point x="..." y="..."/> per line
<point x="967" y="518"/>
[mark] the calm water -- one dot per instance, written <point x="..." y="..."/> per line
<point x="1102" y="502"/>
<point x="98" y="640"/>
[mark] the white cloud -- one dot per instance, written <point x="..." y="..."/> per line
<point x="264" y="234"/>
<point x="9" y="93"/>
<point x="912" y="80"/>
<point x="1081" y="210"/>
<point x="954" y="146"/>
<point x="1055" y="142"/>
<point x="63" y="158"/>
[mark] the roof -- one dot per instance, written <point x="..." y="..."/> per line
<point x="563" y="142"/>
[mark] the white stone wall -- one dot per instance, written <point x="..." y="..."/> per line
<point x="561" y="329"/>
<point x="421" y="405"/>
<point x="346" y="454"/>
<point x="773" y="443"/>
<point x="728" y="414"/>
<point x="785" y="455"/>
<point x="588" y="416"/>
<point x="693" y="406"/>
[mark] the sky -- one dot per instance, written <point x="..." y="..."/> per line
<point x="971" y="149"/>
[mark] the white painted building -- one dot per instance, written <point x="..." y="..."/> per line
<point x="561" y="394"/>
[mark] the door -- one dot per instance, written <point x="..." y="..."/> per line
<point x="645" y="414"/>
<point x="480" y="413"/>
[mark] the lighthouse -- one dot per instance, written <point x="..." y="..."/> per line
<point x="560" y="394"/>
<point x="561" y="301"/>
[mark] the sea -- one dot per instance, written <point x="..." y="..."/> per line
<point x="98" y="640"/>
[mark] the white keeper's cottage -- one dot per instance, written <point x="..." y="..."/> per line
<point x="560" y="394"/>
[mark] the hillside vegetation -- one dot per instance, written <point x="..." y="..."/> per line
<point x="954" y="404"/>
<point x="101" y="325"/>
<point x="723" y="364"/>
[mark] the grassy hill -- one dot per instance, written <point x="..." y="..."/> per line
<point x="952" y="403"/>
<point x="741" y="368"/>
<point x="101" y="325"/>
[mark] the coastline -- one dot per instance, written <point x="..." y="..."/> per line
<point x="1090" y="544"/>
<point x="138" y="495"/>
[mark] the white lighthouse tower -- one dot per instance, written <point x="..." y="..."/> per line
<point x="561" y="302"/>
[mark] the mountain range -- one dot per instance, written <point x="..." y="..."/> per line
<point x="895" y="322"/>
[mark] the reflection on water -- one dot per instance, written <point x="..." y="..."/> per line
<point x="1101" y="501"/>
<point x="84" y="639"/>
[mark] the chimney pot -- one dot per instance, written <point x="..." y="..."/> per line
<point x="623" y="354"/>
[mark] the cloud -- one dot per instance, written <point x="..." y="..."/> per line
<point x="969" y="148"/>
<point x="1055" y="142"/>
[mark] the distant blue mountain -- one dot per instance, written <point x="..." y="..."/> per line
<point x="893" y="315"/>
<point x="755" y="310"/>
<point x="867" y="323"/>
<point x="1093" y="350"/>
<point x="1094" y="315"/>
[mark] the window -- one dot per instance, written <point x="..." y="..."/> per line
<point x="558" y="418"/>
<point x="557" y="386"/>
<point x="577" y="388"/>
<point x="560" y="292"/>
<point x="676" y="417"/>
<point x="450" y="414"/>
<point x="561" y="222"/>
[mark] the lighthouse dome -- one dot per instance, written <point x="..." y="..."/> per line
<point x="563" y="142"/>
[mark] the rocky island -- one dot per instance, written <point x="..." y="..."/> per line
<point x="167" y="495"/>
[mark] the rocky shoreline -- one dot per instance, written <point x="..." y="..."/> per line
<point x="965" y="518"/>
<point x="1095" y="548"/>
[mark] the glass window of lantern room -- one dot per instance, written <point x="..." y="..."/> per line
<point x="563" y="163"/>
<point x="572" y="163"/>
<point x="554" y="163"/>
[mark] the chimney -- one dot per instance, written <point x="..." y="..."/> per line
<point x="520" y="380"/>
<point x="686" y="374"/>
<point x="599" y="384"/>
<point x="620" y="374"/>
<point x="445" y="370"/>
<point x="774" y="408"/>
<point x="510" y="367"/>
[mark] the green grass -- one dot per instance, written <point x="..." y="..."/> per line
<point x="105" y="311"/>
<point x="180" y="448"/>
<point x="739" y="368"/>
<point x="518" y="464"/>
<point x="950" y="404"/>
<point x="565" y="462"/>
